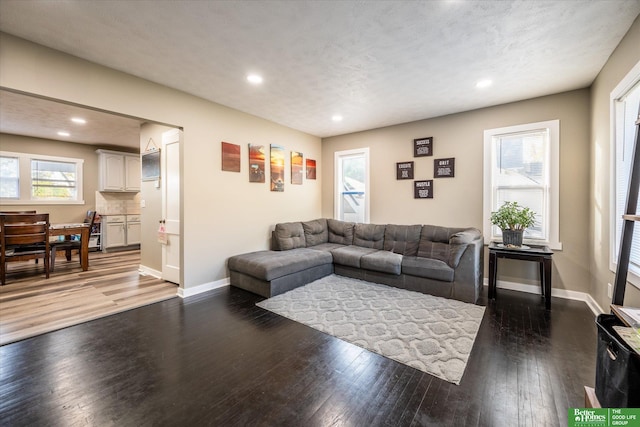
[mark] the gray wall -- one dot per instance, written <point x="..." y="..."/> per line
<point x="623" y="59"/>
<point x="458" y="201"/>
<point x="224" y="214"/>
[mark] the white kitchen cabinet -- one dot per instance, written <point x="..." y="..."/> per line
<point x="120" y="231"/>
<point x="132" y="176"/>
<point x="114" y="231"/>
<point x="118" y="171"/>
<point x="133" y="229"/>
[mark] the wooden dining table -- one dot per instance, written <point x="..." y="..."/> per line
<point x="69" y="230"/>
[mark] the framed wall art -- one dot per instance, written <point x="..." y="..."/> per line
<point x="230" y="157"/>
<point x="311" y="169"/>
<point x="404" y="170"/>
<point x="423" y="189"/>
<point x="296" y="168"/>
<point x="277" y="168"/>
<point x="256" y="163"/>
<point x="423" y="147"/>
<point x="444" y="168"/>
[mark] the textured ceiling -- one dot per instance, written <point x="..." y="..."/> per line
<point x="42" y="118"/>
<point x="376" y="63"/>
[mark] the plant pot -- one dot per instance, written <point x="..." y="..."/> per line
<point x="512" y="237"/>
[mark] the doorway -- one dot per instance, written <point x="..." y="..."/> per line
<point x="352" y="185"/>
<point x="31" y="122"/>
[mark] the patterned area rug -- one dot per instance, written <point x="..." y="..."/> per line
<point x="432" y="334"/>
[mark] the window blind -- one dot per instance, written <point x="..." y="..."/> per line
<point x="53" y="180"/>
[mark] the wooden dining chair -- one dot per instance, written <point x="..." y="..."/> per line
<point x="69" y="245"/>
<point x="15" y="213"/>
<point x="23" y="237"/>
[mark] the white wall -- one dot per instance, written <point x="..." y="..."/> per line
<point x="224" y="214"/>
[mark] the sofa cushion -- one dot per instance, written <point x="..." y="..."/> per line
<point x="445" y="244"/>
<point x="402" y="239"/>
<point x="427" y="267"/>
<point x="340" y="231"/>
<point x="326" y="246"/>
<point x="269" y="265"/>
<point x="383" y="261"/>
<point x="444" y="252"/>
<point x="369" y="236"/>
<point x="465" y="236"/>
<point x="435" y="233"/>
<point x="289" y="235"/>
<point x="350" y="255"/>
<point x="315" y="232"/>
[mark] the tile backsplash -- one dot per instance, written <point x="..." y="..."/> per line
<point x="117" y="203"/>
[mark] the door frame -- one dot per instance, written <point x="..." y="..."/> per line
<point x="170" y="137"/>
<point x="338" y="157"/>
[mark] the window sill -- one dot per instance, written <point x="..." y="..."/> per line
<point x="632" y="276"/>
<point x="13" y="202"/>
<point x="634" y="279"/>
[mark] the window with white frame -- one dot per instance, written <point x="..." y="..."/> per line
<point x="521" y="164"/>
<point x="9" y="177"/>
<point x="38" y="179"/>
<point x="625" y="109"/>
<point x="352" y="185"/>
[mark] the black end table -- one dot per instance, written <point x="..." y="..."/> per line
<point x="539" y="254"/>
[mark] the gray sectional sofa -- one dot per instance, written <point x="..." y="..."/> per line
<point x="435" y="260"/>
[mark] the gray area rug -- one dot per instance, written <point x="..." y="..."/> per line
<point x="432" y="334"/>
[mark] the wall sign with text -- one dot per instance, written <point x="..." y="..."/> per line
<point x="444" y="168"/>
<point x="423" y="147"/>
<point x="404" y="170"/>
<point x="423" y="189"/>
<point x="151" y="165"/>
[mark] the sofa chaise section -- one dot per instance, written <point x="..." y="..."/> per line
<point x="270" y="273"/>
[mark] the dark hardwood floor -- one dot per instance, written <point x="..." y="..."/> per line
<point x="217" y="359"/>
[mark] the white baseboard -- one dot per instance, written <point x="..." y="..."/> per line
<point x="148" y="271"/>
<point x="184" y="293"/>
<point x="560" y="293"/>
<point x="502" y="284"/>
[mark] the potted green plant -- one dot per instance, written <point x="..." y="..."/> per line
<point x="513" y="219"/>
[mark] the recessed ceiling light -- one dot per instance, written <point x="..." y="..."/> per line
<point x="63" y="133"/>
<point x="337" y="118"/>
<point x="78" y="120"/>
<point x="254" y="79"/>
<point x="484" y="83"/>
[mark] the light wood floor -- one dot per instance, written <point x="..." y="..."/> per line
<point x="31" y="305"/>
